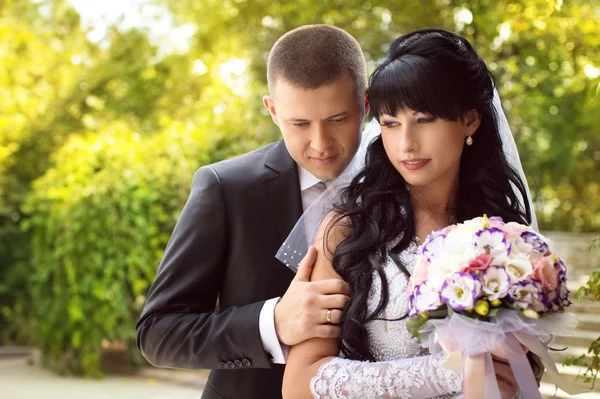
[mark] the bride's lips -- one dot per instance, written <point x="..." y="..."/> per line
<point x="414" y="164"/>
<point x="324" y="160"/>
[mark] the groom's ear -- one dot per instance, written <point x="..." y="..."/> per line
<point x="472" y="120"/>
<point x="270" y="106"/>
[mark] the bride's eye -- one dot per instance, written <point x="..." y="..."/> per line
<point x="388" y="124"/>
<point x="426" y="119"/>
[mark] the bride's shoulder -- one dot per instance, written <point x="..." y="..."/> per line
<point x="334" y="228"/>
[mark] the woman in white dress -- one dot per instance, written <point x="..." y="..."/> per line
<point x="437" y="161"/>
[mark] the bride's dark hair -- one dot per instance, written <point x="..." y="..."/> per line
<point x="436" y="72"/>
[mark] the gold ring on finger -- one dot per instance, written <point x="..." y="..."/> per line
<point x="329" y="316"/>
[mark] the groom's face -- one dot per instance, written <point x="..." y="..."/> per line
<point x="320" y="127"/>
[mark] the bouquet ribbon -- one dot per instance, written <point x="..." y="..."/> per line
<point x="461" y="336"/>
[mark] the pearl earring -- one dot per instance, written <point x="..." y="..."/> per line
<point x="469" y="140"/>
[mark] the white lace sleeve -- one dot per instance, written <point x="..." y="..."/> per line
<point x="417" y="377"/>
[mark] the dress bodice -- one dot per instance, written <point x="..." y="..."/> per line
<point x="388" y="338"/>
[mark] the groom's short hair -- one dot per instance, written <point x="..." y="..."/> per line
<point x="313" y="56"/>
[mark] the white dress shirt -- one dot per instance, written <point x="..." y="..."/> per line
<point x="310" y="189"/>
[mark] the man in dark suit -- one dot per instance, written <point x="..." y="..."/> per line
<point x="238" y="214"/>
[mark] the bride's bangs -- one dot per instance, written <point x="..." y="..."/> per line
<point x="413" y="83"/>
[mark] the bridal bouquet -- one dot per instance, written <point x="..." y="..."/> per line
<point x="483" y="285"/>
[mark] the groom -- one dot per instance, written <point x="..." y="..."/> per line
<point x="221" y="300"/>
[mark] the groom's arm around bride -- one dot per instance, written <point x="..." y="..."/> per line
<point x="220" y="299"/>
<point x="210" y="257"/>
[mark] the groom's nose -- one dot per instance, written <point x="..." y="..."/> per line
<point x="320" y="138"/>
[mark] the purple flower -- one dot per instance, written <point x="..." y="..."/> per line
<point x="559" y="298"/>
<point x="412" y="308"/>
<point x="526" y="294"/>
<point x="551" y="301"/>
<point x="425" y="299"/>
<point x="562" y="277"/>
<point x="492" y="241"/>
<point x="433" y="244"/>
<point x="461" y="290"/>
<point x="540" y="305"/>
<point x="535" y="241"/>
<point x="563" y="295"/>
<point x="562" y="269"/>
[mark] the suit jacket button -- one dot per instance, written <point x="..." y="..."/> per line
<point x="222" y="365"/>
<point x="237" y="363"/>
<point x="246" y="362"/>
<point x="230" y="365"/>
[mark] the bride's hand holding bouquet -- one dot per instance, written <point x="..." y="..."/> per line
<point x="487" y="287"/>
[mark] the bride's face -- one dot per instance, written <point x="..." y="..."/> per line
<point x="424" y="149"/>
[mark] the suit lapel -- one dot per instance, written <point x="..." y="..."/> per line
<point x="282" y="189"/>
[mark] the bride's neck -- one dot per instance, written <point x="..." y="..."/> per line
<point x="437" y="201"/>
<point x="433" y="208"/>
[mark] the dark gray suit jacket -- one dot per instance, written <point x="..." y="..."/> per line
<point x="223" y="247"/>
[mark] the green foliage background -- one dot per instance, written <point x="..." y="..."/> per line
<point x="99" y="140"/>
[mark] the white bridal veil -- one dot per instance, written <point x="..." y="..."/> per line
<point x="304" y="232"/>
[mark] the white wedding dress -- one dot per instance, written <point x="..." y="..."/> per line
<point x="403" y="369"/>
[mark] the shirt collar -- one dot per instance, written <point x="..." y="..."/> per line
<point x="307" y="179"/>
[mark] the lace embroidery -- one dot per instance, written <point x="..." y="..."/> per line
<point x="419" y="377"/>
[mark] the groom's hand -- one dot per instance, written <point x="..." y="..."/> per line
<point x="302" y="312"/>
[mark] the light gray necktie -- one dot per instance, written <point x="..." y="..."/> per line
<point x="313" y="193"/>
<point x="322" y="185"/>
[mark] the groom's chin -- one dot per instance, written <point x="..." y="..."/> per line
<point x="325" y="170"/>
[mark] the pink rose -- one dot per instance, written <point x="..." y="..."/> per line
<point x="496" y="223"/>
<point x="481" y="262"/>
<point x="420" y="274"/>
<point x="513" y="229"/>
<point x="543" y="271"/>
<point x="448" y="229"/>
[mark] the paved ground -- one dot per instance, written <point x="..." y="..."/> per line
<point x="18" y="380"/>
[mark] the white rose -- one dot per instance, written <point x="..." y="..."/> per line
<point x="441" y="267"/>
<point x="518" y="267"/>
<point x="469" y="227"/>
<point x="521" y="248"/>
<point x="460" y="244"/>
<point x="495" y="282"/>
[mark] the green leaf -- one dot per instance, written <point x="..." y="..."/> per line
<point x="438" y="314"/>
<point x="450" y="311"/>
<point x="413" y="325"/>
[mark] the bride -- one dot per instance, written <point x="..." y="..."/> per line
<point x="438" y="160"/>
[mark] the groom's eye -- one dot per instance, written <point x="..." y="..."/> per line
<point x="339" y="120"/>
<point x="300" y="124"/>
